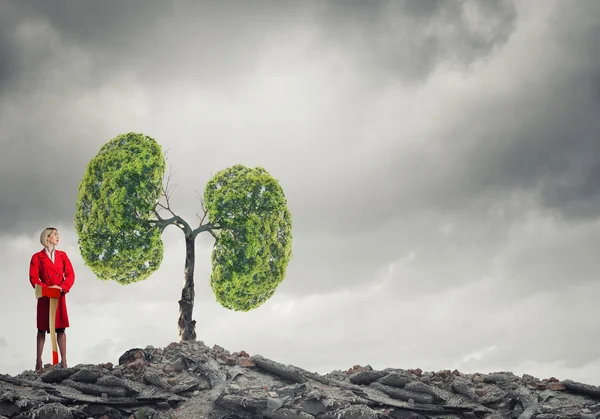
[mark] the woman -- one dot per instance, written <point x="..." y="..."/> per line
<point x="51" y="268"/>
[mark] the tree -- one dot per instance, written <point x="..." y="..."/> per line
<point x="120" y="217"/>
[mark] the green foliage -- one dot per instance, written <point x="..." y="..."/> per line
<point x="117" y="195"/>
<point x="254" y="243"/>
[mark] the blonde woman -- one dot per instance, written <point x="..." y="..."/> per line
<point x="51" y="268"/>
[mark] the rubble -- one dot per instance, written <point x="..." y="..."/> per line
<point x="190" y="380"/>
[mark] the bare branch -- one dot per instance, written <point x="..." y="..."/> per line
<point x="176" y="220"/>
<point x="205" y="227"/>
<point x="166" y="191"/>
<point x="204" y="210"/>
<point x="212" y="233"/>
<point x="158" y="215"/>
<point x="203" y="217"/>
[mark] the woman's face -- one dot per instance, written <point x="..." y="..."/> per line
<point x="53" y="237"/>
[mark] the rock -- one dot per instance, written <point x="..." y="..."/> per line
<point x="177" y="365"/>
<point x="357" y="412"/>
<point x="278" y="369"/>
<point x="188" y="383"/>
<point x="313" y="407"/>
<point x="284" y="413"/>
<point x="136" y="365"/>
<point x="460" y="386"/>
<point x="227" y="359"/>
<point x="358" y="368"/>
<point x="556" y="386"/>
<point x="493" y="394"/>
<point x="588" y="390"/>
<point x="152" y="378"/>
<point x="404" y="395"/>
<point x="52" y="411"/>
<point x="86" y="375"/>
<point x="144" y="413"/>
<point x="8" y="408"/>
<point x="133" y="355"/>
<point x="95" y="389"/>
<point x="395" y="380"/>
<point x="481" y="392"/>
<point x="56" y="375"/>
<point x="529" y="411"/>
<point x="439" y="394"/>
<point x="246" y="362"/>
<point x="191" y="380"/>
<point x="366" y="377"/>
<point x="112" y="381"/>
<point x="241" y="403"/>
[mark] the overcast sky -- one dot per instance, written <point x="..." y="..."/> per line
<point x="441" y="161"/>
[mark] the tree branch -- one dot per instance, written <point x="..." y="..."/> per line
<point x="204" y="210"/>
<point x="166" y="192"/>
<point x="200" y="229"/>
<point x="162" y="223"/>
<point x="212" y="233"/>
<point x="176" y="220"/>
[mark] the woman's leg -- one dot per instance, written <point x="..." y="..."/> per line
<point x="41" y="338"/>
<point x="61" y="338"/>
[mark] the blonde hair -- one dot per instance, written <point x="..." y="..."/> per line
<point x="45" y="234"/>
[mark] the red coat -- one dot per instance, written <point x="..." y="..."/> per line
<point x="44" y="272"/>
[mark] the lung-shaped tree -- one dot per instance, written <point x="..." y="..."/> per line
<point x="120" y="218"/>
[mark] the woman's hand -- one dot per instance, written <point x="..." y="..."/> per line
<point x="55" y="286"/>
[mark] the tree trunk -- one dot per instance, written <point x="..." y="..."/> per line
<point x="187" y="326"/>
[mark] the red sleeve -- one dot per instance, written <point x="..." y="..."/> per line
<point x="34" y="272"/>
<point x="69" y="274"/>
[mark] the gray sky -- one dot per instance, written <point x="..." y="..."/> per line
<point x="441" y="160"/>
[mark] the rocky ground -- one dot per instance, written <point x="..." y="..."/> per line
<point x="191" y="380"/>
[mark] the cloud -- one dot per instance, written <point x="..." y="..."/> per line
<point x="74" y="50"/>
<point x="407" y="40"/>
<point x="440" y="160"/>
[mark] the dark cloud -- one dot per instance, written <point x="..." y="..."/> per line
<point x="58" y="62"/>
<point x="8" y="50"/>
<point x="54" y="56"/>
<point x="155" y="42"/>
<point x="546" y="138"/>
<point x="528" y="149"/>
<point x="66" y="49"/>
<point x="537" y="138"/>
<point x="368" y="208"/>
<point x="407" y="40"/>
